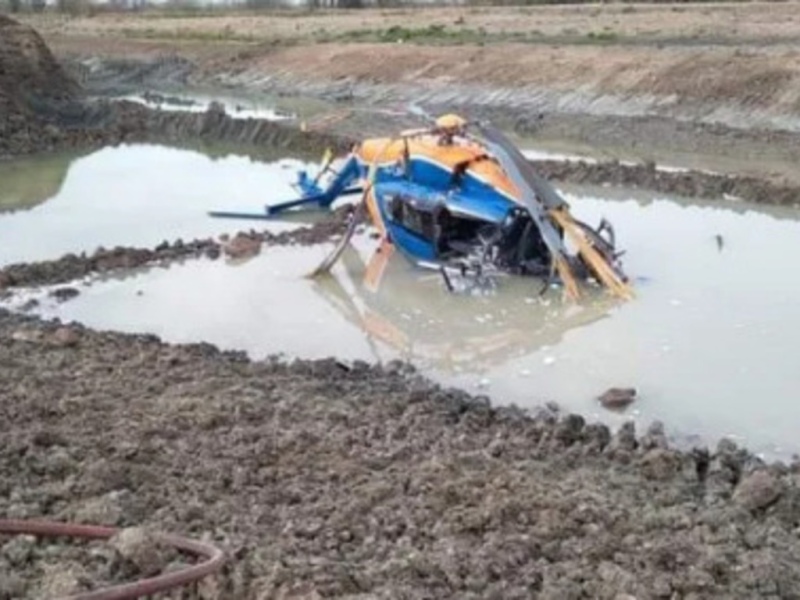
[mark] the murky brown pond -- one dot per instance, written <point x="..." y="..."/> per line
<point x="709" y="342"/>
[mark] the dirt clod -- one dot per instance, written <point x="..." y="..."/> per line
<point x="61" y="580"/>
<point x="758" y="490"/>
<point x="66" y="337"/>
<point x="64" y="294"/>
<point x="19" y="550"/>
<point x="617" y="398"/>
<point x="143" y="548"/>
<point x="243" y="246"/>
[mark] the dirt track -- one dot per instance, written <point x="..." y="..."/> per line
<point x="354" y="481"/>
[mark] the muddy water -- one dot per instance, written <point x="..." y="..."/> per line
<point x="136" y="195"/>
<point x="709" y="342"/>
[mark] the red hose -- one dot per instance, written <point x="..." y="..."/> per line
<point x="215" y="558"/>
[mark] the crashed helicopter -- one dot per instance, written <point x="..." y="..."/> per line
<point x="459" y="197"/>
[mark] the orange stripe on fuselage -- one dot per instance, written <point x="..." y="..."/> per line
<point x="374" y="212"/>
<point x="427" y="147"/>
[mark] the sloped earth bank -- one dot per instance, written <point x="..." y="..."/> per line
<point x="45" y="110"/>
<point x="104" y="123"/>
<point x="719" y="90"/>
<point x="325" y="479"/>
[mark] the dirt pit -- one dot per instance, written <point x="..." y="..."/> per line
<point x="706" y="343"/>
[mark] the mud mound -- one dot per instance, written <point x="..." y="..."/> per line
<point x="689" y="184"/>
<point x="324" y="479"/>
<point x="43" y="109"/>
<point x="34" y="89"/>
<point x="29" y="73"/>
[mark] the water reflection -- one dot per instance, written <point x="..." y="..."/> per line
<point x="27" y="182"/>
<point x="449" y="333"/>
<point x="137" y="195"/>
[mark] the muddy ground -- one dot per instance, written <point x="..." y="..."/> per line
<point x="324" y="479"/>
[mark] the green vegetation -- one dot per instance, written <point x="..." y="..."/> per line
<point x="442" y="35"/>
<point x="602" y="36"/>
<point x="185" y="34"/>
<point x="430" y="35"/>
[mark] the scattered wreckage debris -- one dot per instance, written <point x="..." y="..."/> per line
<point x="459" y="196"/>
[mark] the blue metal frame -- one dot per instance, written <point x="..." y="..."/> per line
<point x="424" y="180"/>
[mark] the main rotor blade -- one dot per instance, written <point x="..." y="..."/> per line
<point x="535" y="196"/>
<point x="541" y="187"/>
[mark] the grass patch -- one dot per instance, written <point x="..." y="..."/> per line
<point x="222" y="35"/>
<point x="602" y="36"/>
<point x="430" y="35"/>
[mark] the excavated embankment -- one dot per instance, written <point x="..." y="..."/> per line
<point x="324" y="479"/>
<point x="43" y="109"/>
<point x="332" y="480"/>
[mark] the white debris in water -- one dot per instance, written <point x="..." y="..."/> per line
<point x="484" y="383"/>
<point x="549" y="360"/>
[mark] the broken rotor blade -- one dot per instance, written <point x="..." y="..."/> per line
<point x="519" y="171"/>
<point x="355" y="218"/>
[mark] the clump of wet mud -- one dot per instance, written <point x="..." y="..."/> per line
<point x="72" y="267"/>
<point x="325" y="479"/>
<point x="34" y="90"/>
